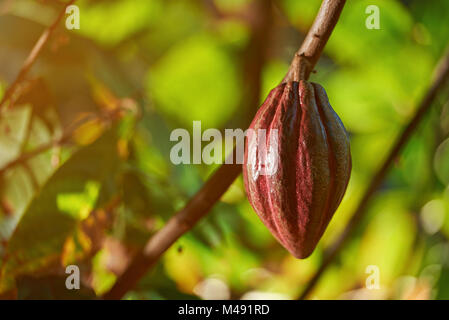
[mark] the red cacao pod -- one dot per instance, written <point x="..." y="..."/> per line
<point x="297" y="168"/>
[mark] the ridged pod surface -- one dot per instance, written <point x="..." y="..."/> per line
<point x="297" y="169"/>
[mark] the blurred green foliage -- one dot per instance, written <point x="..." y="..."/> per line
<point x="94" y="200"/>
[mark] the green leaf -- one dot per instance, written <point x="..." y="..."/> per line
<point x="13" y="127"/>
<point x="441" y="162"/>
<point x="79" y="204"/>
<point x="110" y="22"/>
<point x="39" y="236"/>
<point x="196" y="80"/>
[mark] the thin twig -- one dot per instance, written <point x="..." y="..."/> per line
<point x="65" y="137"/>
<point x="220" y="181"/>
<point x="441" y="76"/>
<point x="32" y="57"/>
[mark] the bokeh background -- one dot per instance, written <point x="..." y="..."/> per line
<point x="85" y="172"/>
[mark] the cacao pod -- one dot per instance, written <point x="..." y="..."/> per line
<point x="297" y="168"/>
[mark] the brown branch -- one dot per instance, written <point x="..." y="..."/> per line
<point x="441" y="76"/>
<point x="313" y="45"/>
<point x="220" y="181"/>
<point x="32" y="57"/>
<point x="182" y="222"/>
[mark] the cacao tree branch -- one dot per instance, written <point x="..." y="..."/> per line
<point x="310" y="51"/>
<point x="32" y="57"/>
<point x="441" y="76"/>
<point x="220" y="181"/>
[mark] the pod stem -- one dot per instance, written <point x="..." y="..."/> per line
<point x="310" y="51"/>
<point x="301" y="68"/>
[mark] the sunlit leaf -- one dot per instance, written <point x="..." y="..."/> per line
<point x="31" y="248"/>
